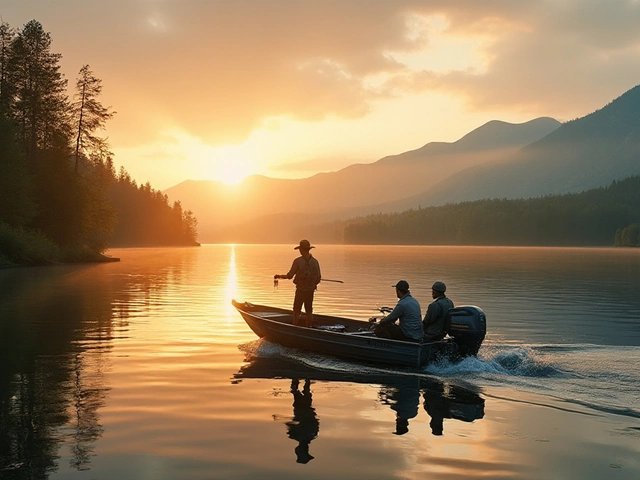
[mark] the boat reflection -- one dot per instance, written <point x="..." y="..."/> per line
<point x="402" y="392"/>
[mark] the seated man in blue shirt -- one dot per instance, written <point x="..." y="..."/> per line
<point x="409" y="315"/>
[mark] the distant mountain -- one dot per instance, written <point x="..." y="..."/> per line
<point x="586" y="153"/>
<point x="257" y="201"/>
<point x="492" y="136"/>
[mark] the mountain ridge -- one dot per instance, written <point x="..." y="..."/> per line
<point x="355" y="188"/>
<point x="584" y="153"/>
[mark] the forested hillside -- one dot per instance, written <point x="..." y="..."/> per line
<point x="145" y="217"/>
<point x="60" y="197"/>
<point x="599" y="217"/>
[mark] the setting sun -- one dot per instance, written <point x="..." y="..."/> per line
<point x="230" y="165"/>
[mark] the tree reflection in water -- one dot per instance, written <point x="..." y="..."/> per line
<point x="57" y="325"/>
<point x="51" y="387"/>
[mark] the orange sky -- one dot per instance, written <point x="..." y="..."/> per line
<point x="208" y="89"/>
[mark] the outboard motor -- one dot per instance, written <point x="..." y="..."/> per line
<point x="467" y="325"/>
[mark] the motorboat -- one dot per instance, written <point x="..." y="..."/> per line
<point x="353" y="339"/>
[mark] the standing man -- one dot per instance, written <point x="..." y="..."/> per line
<point x="305" y="272"/>
<point x="436" y="313"/>
<point x="407" y="311"/>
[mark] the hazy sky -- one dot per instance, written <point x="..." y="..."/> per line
<point x="218" y="89"/>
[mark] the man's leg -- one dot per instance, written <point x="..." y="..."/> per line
<point x="297" y="307"/>
<point x="381" y="331"/>
<point x="389" y="330"/>
<point x="308" y="308"/>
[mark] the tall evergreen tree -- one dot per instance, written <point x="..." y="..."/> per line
<point x="99" y="214"/>
<point x="88" y="113"/>
<point x="41" y="104"/>
<point x="17" y="207"/>
<point x="76" y="202"/>
<point x="7" y="36"/>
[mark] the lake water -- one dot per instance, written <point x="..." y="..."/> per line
<point x="142" y="369"/>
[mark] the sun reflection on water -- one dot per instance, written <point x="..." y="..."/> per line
<point x="231" y="288"/>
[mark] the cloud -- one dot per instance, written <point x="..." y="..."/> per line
<point x="218" y="69"/>
<point x="558" y="58"/>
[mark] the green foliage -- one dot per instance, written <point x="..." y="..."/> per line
<point x="7" y="88"/>
<point x="145" y="217"/>
<point x="628" y="236"/>
<point x="22" y="247"/>
<point x="88" y="114"/>
<point x="40" y="104"/>
<point x="591" y="218"/>
<point x="17" y="206"/>
<point x="60" y="198"/>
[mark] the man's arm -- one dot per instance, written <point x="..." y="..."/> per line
<point x="395" y="314"/>
<point x="432" y="312"/>
<point x="292" y="272"/>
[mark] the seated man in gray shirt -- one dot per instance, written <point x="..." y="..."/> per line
<point x="409" y="315"/>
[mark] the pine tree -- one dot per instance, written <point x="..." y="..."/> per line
<point x="88" y="113"/>
<point x="17" y="207"/>
<point x="41" y="105"/>
<point x="7" y="36"/>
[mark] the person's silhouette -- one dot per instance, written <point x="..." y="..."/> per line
<point x="304" y="426"/>
<point x="436" y="406"/>
<point x="404" y="398"/>
<point x="448" y="401"/>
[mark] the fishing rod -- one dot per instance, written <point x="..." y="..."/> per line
<point x="276" y="277"/>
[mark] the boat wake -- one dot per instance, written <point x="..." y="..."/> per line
<point x="514" y="361"/>
<point x="517" y="361"/>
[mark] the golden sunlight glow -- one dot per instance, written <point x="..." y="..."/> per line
<point x="231" y="165"/>
<point x="231" y="289"/>
<point x="195" y="159"/>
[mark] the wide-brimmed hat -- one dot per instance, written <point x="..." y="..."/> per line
<point x="439" y="287"/>
<point x="402" y="285"/>
<point x="304" y="245"/>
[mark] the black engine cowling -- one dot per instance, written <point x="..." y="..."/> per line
<point x="467" y="324"/>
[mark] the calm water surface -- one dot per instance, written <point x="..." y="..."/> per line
<point x="142" y="369"/>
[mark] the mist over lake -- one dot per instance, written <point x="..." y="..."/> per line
<point x="143" y="369"/>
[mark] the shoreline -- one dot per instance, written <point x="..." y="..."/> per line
<point x="93" y="258"/>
